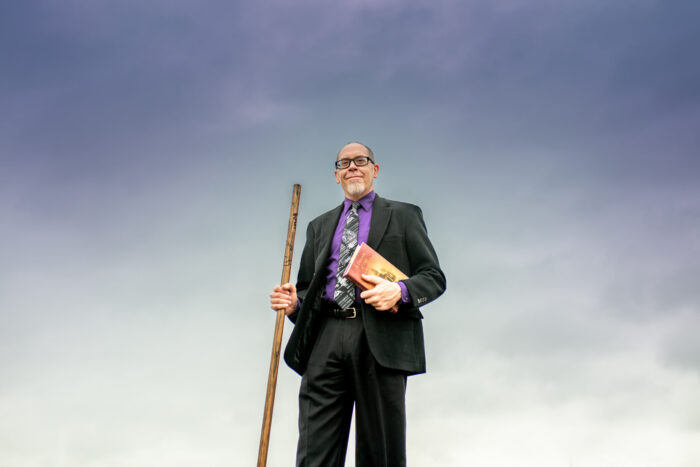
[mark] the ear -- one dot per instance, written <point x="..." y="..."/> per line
<point x="337" y="177"/>
<point x="376" y="170"/>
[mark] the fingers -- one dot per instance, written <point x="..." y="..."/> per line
<point x="382" y="306"/>
<point x="283" y="297"/>
<point x="280" y="302"/>
<point x="382" y="297"/>
<point x="289" y="288"/>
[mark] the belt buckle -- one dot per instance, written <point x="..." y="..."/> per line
<point x="354" y="313"/>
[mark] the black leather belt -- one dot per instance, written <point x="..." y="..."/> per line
<point x="333" y="310"/>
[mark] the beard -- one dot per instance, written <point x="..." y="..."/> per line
<point x="356" y="187"/>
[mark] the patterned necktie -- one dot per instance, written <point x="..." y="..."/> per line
<point x="344" y="293"/>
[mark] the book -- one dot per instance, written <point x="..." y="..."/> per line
<point x="365" y="260"/>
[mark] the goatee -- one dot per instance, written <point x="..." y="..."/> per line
<point x="356" y="188"/>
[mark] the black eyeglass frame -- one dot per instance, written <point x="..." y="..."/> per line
<point x="339" y="163"/>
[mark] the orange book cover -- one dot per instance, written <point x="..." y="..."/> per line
<point x="367" y="261"/>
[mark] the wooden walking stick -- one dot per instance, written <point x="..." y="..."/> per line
<point x="279" y="327"/>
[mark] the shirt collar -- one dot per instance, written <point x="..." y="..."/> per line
<point x="365" y="202"/>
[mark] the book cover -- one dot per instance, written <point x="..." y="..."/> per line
<point x="367" y="261"/>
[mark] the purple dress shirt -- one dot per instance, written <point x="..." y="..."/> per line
<point x="364" y="213"/>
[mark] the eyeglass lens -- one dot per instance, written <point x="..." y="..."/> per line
<point x="359" y="161"/>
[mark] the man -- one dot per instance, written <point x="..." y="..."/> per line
<point x="355" y="348"/>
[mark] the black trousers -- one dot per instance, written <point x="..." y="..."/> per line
<point x="341" y="373"/>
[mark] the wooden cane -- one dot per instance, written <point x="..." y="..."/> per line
<point x="279" y="327"/>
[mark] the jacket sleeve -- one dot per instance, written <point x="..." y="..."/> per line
<point x="427" y="281"/>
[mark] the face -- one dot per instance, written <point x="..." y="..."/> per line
<point x="356" y="181"/>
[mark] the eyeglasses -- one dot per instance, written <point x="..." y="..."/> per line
<point x="360" y="161"/>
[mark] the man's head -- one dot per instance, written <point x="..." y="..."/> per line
<point x="356" y="180"/>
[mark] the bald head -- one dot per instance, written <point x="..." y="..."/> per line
<point x="358" y="145"/>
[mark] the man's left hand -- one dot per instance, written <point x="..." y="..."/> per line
<point x="384" y="295"/>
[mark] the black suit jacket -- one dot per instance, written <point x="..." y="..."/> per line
<point x="398" y="233"/>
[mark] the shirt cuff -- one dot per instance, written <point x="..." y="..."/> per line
<point x="405" y="296"/>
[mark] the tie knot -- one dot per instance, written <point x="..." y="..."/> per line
<point x="355" y="206"/>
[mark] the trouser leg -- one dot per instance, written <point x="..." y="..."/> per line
<point x="325" y="405"/>
<point x="380" y="413"/>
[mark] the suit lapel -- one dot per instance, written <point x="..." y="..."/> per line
<point x="326" y="236"/>
<point x="381" y="213"/>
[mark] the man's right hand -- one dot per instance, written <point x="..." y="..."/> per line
<point x="284" y="297"/>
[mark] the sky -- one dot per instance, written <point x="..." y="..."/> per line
<point x="147" y="156"/>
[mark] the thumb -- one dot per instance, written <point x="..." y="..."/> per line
<point x="373" y="279"/>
